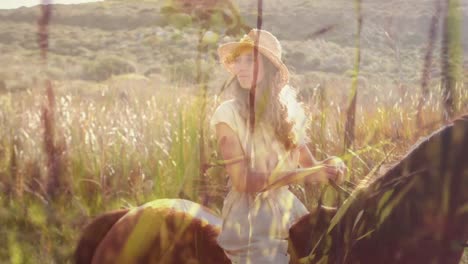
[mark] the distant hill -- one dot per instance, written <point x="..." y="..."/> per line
<point x="292" y="19"/>
<point x="137" y="32"/>
<point x="118" y="15"/>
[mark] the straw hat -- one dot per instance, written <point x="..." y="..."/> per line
<point x="268" y="45"/>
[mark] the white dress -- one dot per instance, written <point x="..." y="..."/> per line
<point x="255" y="226"/>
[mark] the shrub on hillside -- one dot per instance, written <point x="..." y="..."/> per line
<point x="296" y="59"/>
<point x="3" y="87"/>
<point x="335" y="64"/>
<point x="69" y="47"/>
<point x="184" y="71"/>
<point x="55" y="73"/>
<point x="153" y="70"/>
<point x="8" y="37"/>
<point x="310" y="83"/>
<point x="17" y="86"/>
<point x="105" y="67"/>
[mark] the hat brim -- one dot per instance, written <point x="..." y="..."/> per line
<point x="226" y="50"/>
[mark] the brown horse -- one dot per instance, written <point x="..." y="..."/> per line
<point x="169" y="231"/>
<point x="417" y="212"/>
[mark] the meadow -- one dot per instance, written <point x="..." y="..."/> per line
<point x="125" y="123"/>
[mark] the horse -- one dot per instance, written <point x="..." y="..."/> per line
<point x="416" y="212"/>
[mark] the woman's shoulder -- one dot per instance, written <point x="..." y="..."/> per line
<point x="227" y="105"/>
<point x="227" y="113"/>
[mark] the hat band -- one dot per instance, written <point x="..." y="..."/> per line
<point x="247" y="39"/>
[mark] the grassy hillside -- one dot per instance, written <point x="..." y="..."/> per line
<point x="127" y="105"/>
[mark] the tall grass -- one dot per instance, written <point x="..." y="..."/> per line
<point x="126" y="149"/>
<point x="117" y="148"/>
<point x="120" y="152"/>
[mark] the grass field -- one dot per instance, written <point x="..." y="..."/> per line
<point x="123" y="148"/>
<point x="120" y="137"/>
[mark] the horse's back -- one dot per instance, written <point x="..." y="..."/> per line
<point x="163" y="231"/>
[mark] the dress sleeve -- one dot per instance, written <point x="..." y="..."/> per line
<point x="225" y="113"/>
<point x="302" y="138"/>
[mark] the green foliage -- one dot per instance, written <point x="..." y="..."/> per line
<point x="210" y="38"/>
<point x="66" y="46"/>
<point x="210" y="15"/>
<point x="105" y="67"/>
<point x="16" y="254"/>
<point x="126" y="150"/>
<point x="335" y="64"/>
<point x="55" y="73"/>
<point x="453" y="31"/>
<point x="152" y="41"/>
<point x="184" y="71"/>
<point x="180" y="21"/>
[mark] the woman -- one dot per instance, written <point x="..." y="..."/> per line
<point x="261" y="162"/>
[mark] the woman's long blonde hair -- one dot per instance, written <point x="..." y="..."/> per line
<point x="280" y="107"/>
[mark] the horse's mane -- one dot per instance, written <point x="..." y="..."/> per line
<point x="404" y="206"/>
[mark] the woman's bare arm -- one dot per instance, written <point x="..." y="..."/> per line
<point x="242" y="179"/>
<point x="245" y="180"/>
<point x="306" y="159"/>
<point x="311" y="171"/>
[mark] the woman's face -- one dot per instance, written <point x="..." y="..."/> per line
<point x="244" y="69"/>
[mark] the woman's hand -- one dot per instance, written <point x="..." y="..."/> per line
<point x="338" y="167"/>
<point x="333" y="169"/>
